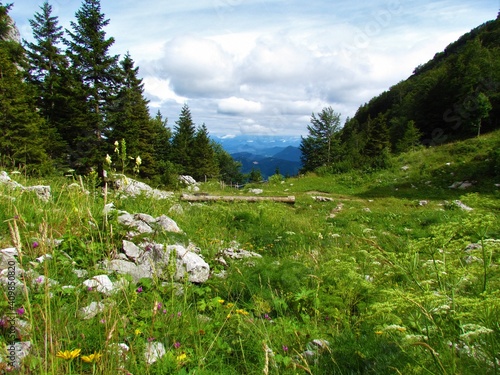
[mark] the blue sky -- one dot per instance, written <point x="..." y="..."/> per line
<point x="264" y="66"/>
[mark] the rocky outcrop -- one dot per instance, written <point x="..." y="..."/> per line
<point x="132" y="188"/>
<point x="150" y="260"/>
<point x="13" y="33"/>
<point x="42" y="191"/>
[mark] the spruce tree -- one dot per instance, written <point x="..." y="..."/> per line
<point x="46" y="65"/>
<point x="161" y="140"/>
<point x="129" y="119"/>
<point x="229" y="169"/>
<point x="22" y="144"/>
<point x="97" y="70"/>
<point x="321" y="146"/>
<point x="204" y="158"/>
<point x="183" y="142"/>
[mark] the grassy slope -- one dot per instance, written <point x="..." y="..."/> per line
<point x="387" y="281"/>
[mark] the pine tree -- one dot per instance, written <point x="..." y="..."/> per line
<point x="88" y="49"/>
<point x="21" y="140"/>
<point x="410" y="138"/>
<point x="377" y="147"/>
<point x="183" y="142"/>
<point x="229" y="169"/>
<point x="46" y="64"/>
<point x="162" y="135"/>
<point x="322" y="144"/>
<point x="129" y="119"/>
<point x="204" y="158"/>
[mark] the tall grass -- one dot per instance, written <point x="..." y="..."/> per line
<point x="392" y="284"/>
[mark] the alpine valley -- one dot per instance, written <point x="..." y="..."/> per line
<point x="269" y="154"/>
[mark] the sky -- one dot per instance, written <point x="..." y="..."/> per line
<point x="263" y="67"/>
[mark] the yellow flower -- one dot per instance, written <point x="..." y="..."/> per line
<point x="181" y="357"/>
<point x="379" y="332"/>
<point x="137" y="331"/>
<point x="91" y="358"/>
<point x="68" y="355"/>
<point x="242" y="312"/>
<point x="228" y="316"/>
<point x="229" y="305"/>
<point x="221" y="301"/>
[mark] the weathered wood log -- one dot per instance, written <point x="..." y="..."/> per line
<point x="233" y="198"/>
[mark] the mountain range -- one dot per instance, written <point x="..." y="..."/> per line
<point x="268" y="154"/>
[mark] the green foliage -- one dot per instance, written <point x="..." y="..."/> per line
<point x="22" y="141"/>
<point x="322" y="144"/>
<point x="393" y="285"/>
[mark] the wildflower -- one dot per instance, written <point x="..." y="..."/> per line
<point x="92" y="358"/>
<point x="137" y="331"/>
<point x="102" y="321"/>
<point x="35" y="244"/>
<point x="267" y="317"/>
<point x="179" y="314"/>
<point x="108" y="159"/>
<point x="20" y="311"/>
<point x="177" y="345"/>
<point x="395" y="327"/>
<point x="221" y="301"/>
<point x="156" y="307"/>
<point x="229" y="305"/>
<point x="139" y="290"/>
<point x="242" y="312"/>
<point x="151" y="339"/>
<point x="68" y="355"/>
<point x="285" y="348"/>
<point x="181" y="357"/>
<point x="138" y="161"/>
<point x="379" y="332"/>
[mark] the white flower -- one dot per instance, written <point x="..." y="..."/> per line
<point x="108" y="159"/>
<point x="138" y="160"/>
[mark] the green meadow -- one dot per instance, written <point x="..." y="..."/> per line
<point x="389" y="272"/>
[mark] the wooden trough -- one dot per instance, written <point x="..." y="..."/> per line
<point x="233" y="198"/>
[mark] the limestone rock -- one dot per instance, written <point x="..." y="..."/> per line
<point x="133" y="188"/>
<point x="100" y="283"/>
<point x="167" y="224"/>
<point x="154" y="351"/>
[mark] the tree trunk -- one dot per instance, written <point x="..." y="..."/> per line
<point x="229" y="198"/>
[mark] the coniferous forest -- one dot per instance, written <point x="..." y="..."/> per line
<point x="454" y="96"/>
<point x="68" y="104"/>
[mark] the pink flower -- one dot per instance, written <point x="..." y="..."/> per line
<point x="177" y="345"/>
<point x="139" y="290"/>
<point x="35" y="244"/>
<point x="20" y="311"/>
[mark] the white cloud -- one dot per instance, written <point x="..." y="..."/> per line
<point x="263" y="66"/>
<point x="238" y="106"/>
<point x="160" y="88"/>
<point x="196" y="67"/>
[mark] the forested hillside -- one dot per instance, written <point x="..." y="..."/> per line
<point x="67" y="103"/>
<point x="453" y="96"/>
